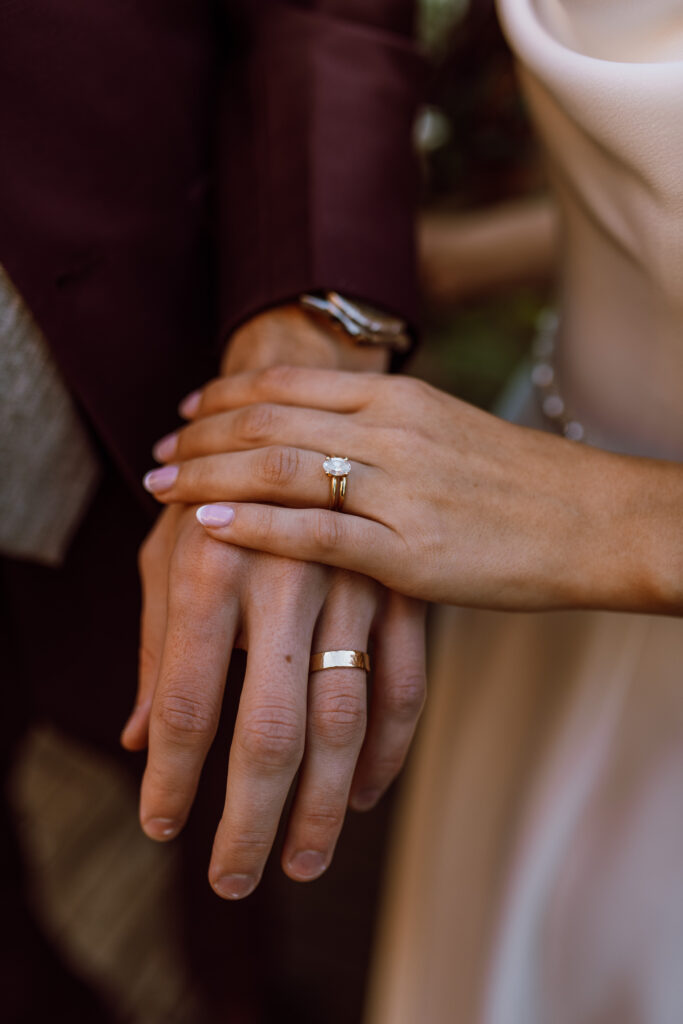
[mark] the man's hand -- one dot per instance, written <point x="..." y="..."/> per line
<point x="200" y="598"/>
<point x="288" y="336"/>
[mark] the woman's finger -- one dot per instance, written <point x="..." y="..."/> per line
<point x="398" y="694"/>
<point x="311" y="535"/>
<point x="261" y="425"/>
<point x="336" y="718"/>
<point x="333" y="390"/>
<point x="286" y="476"/>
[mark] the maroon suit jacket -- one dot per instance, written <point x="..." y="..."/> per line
<point x="170" y="167"/>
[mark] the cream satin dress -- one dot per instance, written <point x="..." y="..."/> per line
<point x="537" y="875"/>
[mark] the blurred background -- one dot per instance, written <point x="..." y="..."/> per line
<point x="487" y="235"/>
<point x="486" y="240"/>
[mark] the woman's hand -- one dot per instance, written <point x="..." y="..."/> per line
<point x="444" y="501"/>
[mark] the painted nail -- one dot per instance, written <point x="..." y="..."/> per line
<point x="234" y="887"/>
<point x="307" y="864"/>
<point x="160" y="828"/>
<point x="189" y="405"/>
<point x="215" y="515"/>
<point x="365" y="800"/>
<point x="164" y="449"/>
<point x="160" y="479"/>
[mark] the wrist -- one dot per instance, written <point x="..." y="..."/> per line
<point x="652" y="536"/>
<point x="632" y="550"/>
<point x="288" y="335"/>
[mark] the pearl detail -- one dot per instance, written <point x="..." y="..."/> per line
<point x="544" y="378"/>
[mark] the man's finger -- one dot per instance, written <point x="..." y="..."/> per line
<point x="203" y="617"/>
<point x="398" y="694"/>
<point x="336" y="719"/>
<point x="269" y="737"/>
<point x="153" y="562"/>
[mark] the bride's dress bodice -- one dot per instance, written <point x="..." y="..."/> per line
<point x="537" y="872"/>
<point x="604" y="80"/>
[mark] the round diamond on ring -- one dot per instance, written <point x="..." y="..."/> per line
<point x="336" y="466"/>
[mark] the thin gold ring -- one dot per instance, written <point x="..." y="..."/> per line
<point x="337" y="492"/>
<point x="339" y="659"/>
<point x="337" y="468"/>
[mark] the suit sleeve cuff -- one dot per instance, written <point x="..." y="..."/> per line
<point x="318" y="180"/>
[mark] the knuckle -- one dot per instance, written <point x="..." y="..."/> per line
<point x="328" y="530"/>
<point x="265" y="522"/>
<point x="184" y="715"/>
<point x="290" y="581"/>
<point x="338" y="718"/>
<point x="407" y="391"/>
<point x="420" y="388"/>
<point x="254" y="423"/>
<point x="271" y="738"/>
<point x="250" y="844"/>
<point x="404" y="698"/>
<point x="198" y="556"/>
<point x="279" y="465"/>
<point x="323" y="821"/>
<point x="275" y="379"/>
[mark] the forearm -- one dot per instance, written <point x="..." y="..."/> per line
<point x="446" y="503"/>
<point x="473" y="253"/>
<point x="631" y="543"/>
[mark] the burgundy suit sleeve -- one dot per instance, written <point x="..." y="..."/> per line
<point x="317" y="176"/>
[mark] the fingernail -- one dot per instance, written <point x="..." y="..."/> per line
<point x="160" y="479"/>
<point x="215" y="515"/>
<point x="189" y="405"/>
<point x="165" y="448"/>
<point x="366" y="799"/>
<point x="307" y="864"/>
<point x="234" y="887"/>
<point x="160" y="828"/>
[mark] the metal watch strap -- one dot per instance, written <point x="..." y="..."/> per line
<point x="363" y="324"/>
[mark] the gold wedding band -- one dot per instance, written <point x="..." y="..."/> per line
<point x="337" y="492"/>
<point x="337" y="469"/>
<point x="339" y="659"/>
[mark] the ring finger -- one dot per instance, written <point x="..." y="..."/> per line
<point x="336" y="722"/>
<point x="277" y="474"/>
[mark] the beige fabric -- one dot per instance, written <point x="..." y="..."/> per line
<point x="538" y="868"/>
<point x="48" y="470"/>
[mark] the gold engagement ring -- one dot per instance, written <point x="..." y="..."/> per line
<point x="337" y="469"/>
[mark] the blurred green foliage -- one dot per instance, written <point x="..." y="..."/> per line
<point x="473" y="352"/>
<point x="488" y="154"/>
<point x="436" y="19"/>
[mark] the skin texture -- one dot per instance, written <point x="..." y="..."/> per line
<point x="200" y="599"/>
<point x="445" y="502"/>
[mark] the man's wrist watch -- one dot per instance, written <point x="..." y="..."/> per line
<point x="363" y="324"/>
